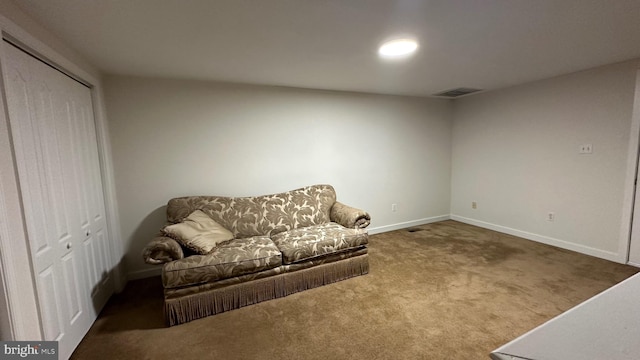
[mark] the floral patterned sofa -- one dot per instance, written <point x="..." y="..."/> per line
<point x="279" y="244"/>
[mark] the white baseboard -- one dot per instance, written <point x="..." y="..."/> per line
<point x="607" y="255"/>
<point x="633" y="264"/>
<point x="146" y="273"/>
<point x="403" y="225"/>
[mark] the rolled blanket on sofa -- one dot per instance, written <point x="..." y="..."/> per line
<point x="162" y="250"/>
<point x="363" y="221"/>
<point x="349" y="217"/>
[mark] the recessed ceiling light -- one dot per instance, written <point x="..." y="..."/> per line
<point x="398" y="48"/>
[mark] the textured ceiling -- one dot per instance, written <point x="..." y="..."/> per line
<point x="332" y="44"/>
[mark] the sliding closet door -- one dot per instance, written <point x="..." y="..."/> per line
<point x="54" y="140"/>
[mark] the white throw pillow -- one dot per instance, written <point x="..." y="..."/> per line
<point x="198" y="232"/>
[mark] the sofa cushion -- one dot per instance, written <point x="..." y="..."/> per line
<point x="237" y="257"/>
<point x="260" y="215"/>
<point x="309" y="242"/>
<point x="198" y="232"/>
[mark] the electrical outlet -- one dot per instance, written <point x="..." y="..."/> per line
<point x="551" y="216"/>
<point x="586" y="149"/>
<point x="394" y="207"/>
<point x="474" y="205"/>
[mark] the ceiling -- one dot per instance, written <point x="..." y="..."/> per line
<point x="332" y="44"/>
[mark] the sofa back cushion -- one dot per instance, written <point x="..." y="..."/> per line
<point x="260" y="215"/>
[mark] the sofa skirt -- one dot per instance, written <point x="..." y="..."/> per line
<point x="202" y="304"/>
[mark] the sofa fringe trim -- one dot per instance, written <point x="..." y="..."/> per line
<point x="199" y="305"/>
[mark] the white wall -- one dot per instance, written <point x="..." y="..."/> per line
<point x="515" y="152"/>
<point x="174" y="138"/>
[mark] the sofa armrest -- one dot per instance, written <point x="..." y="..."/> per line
<point x="162" y="250"/>
<point x="349" y="217"/>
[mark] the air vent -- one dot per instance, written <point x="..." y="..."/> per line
<point x="457" y="92"/>
<point x="414" y="229"/>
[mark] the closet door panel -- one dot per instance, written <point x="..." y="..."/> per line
<point x="56" y="151"/>
<point x="49" y="88"/>
<point x="48" y="296"/>
<point x="27" y="154"/>
<point x="74" y="308"/>
<point x="95" y="230"/>
<point x="29" y="126"/>
<point x="51" y="161"/>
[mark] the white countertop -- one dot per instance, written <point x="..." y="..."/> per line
<point x="605" y="327"/>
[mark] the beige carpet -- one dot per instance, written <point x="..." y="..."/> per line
<point x="447" y="291"/>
